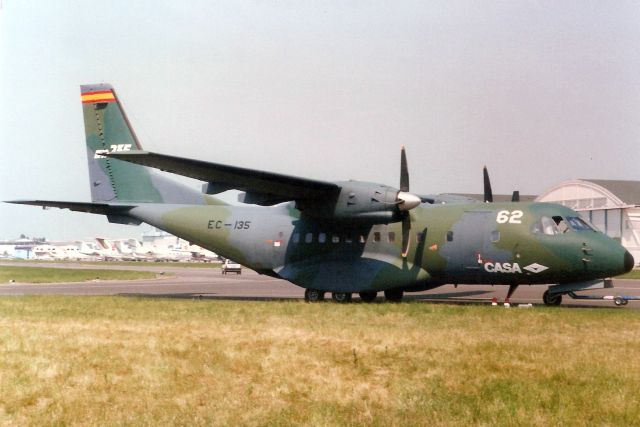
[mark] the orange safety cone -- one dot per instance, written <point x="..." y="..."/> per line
<point x="494" y="301"/>
<point x="506" y="303"/>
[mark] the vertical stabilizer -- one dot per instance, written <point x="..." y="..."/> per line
<point x="107" y="129"/>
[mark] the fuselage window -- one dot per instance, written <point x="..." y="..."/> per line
<point x="322" y="237"/>
<point x="449" y="236"/>
<point x="295" y="238"/>
<point x="376" y="236"/>
<point x="308" y="238"/>
<point x="495" y="236"/>
<point x="335" y="238"/>
<point x="392" y="236"/>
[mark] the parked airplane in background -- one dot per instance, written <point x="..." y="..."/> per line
<point x="339" y="237"/>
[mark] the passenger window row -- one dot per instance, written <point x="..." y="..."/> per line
<point x="377" y="237"/>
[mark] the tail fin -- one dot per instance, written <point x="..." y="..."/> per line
<point x="108" y="129"/>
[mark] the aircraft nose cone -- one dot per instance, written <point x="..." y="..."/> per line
<point x="629" y="262"/>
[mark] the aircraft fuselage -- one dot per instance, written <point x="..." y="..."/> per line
<point x="477" y="243"/>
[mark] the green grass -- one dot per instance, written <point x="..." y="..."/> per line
<point x="120" y="263"/>
<point x="130" y="361"/>
<point x="57" y="275"/>
<point x="633" y="274"/>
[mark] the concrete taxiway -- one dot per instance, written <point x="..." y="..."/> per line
<point x="186" y="282"/>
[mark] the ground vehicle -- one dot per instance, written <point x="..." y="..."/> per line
<point x="231" y="267"/>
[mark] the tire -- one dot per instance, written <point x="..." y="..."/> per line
<point x="619" y="301"/>
<point x="551" y="299"/>
<point x="313" y="295"/>
<point x="368" y="296"/>
<point x="393" y="295"/>
<point x="341" y="297"/>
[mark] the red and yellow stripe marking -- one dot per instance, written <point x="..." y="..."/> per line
<point x="98" y="96"/>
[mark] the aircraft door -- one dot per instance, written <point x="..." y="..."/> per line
<point x="466" y="243"/>
<point x="278" y="249"/>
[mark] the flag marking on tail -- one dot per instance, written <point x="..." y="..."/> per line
<point x="98" y="97"/>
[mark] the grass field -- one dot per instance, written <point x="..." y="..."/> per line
<point x="119" y="263"/>
<point x="130" y="361"/>
<point x="633" y="274"/>
<point x="32" y="274"/>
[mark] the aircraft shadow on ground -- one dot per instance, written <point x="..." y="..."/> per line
<point x="444" y="298"/>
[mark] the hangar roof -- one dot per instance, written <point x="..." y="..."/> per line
<point x="627" y="191"/>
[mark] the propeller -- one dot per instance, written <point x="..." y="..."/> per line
<point x="488" y="194"/>
<point x="406" y="201"/>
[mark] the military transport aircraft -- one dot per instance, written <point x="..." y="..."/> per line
<point x="339" y="237"/>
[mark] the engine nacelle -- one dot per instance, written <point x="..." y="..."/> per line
<point x="363" y="201"/>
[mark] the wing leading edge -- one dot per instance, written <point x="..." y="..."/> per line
<point x="262" y="187"/>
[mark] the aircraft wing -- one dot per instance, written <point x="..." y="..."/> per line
<point x="95" y="208"/>
<point x="262" y="187"/>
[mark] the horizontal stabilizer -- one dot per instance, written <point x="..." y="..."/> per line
<point x="94" y="208"/>
<point x="279" y="187"/>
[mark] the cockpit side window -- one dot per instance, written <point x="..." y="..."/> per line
<point x="545" y="225"/>
<point x="561" y="224"/>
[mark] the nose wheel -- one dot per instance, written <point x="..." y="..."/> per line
<point x="551" y="299"/>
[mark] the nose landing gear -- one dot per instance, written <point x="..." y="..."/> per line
<point x="551" y="299"/>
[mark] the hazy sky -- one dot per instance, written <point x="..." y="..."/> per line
<point x="539" y="91"/>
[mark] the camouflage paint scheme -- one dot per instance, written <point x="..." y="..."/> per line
<point x="322" y="236"/>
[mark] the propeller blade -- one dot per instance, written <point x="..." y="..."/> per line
<point x="406" y="234"/>
<point x="404" y="171"/>
<point x="488" y="194"/>
<point x="515" y="197"/>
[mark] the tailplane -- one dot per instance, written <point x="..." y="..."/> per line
<point x="107" y="129"/>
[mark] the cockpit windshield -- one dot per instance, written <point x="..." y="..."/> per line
<point x="578" y="224"/>
<point x="559" y="225"/>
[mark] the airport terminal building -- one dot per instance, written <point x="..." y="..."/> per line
<point x="612" y="206"/>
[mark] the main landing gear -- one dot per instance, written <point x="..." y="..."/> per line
<point x="393" y="295"/>
<point x="315" y="295"/>
<point x="368" y="296"/>
<point x="341" y="297"/>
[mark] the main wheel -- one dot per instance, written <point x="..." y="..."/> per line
<point x="368" y="296"/>
<point x="313" y="295"/>
<point x="341" y="297"/>
<point x="393" y="295"/>
<point x="551" y="299"/>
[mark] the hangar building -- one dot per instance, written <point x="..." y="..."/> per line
<point x="612" y="206"/>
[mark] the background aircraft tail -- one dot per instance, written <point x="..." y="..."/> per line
<point x="107" y="129"/>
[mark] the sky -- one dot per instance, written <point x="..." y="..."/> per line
<point x="539" y="91"/>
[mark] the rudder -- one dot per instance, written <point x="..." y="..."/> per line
<point x="107" y="129"/>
